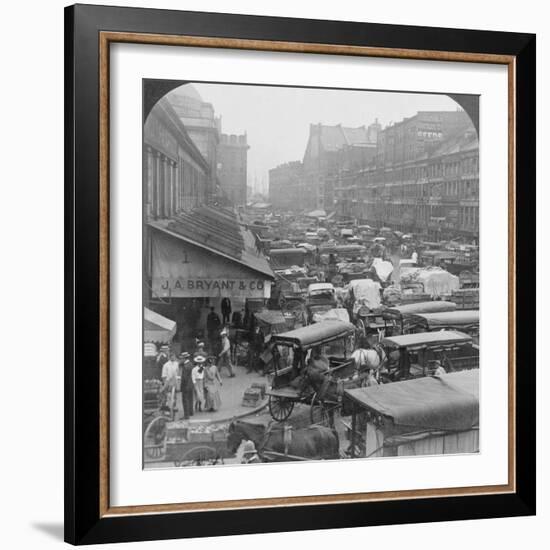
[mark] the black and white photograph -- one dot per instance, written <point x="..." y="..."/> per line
<point x="310" y="274"/>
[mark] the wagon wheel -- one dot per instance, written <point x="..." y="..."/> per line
<point x="154" y="436"/>
<point x="320" y="412"/>
<point x="199" y="456"/>
<point x="280" y="407"/>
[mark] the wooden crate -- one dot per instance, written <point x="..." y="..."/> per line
<point x="252" y="397"/>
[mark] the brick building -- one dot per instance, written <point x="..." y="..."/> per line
<point x="425" y="177"/>
<point x="330" y="152"/>
<point x="284" y="185"/>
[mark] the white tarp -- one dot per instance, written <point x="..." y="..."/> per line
<point x="365" y="292"/>
<point x="383" y="268"/>
<point x="436" y="281"/>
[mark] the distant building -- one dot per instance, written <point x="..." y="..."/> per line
<point x="284" y="186"/>
<point x="200" y="122"/>
<point x="331" y="149"/>
<point x="425" y="177"/>
<point x="232" y="167"/>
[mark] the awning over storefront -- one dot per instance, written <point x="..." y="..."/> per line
<point x="207" y="254"/>
<point x="157" y="328"/>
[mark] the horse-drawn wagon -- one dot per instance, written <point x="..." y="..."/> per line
<point x="421" y="354"/>
<point x="401" y="315"/>
<point x="393" y="420"/>
<point x="296" y="379"/>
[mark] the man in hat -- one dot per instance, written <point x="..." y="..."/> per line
<point x="225" y="354"/>
<point x="200" y="349"/>
<point x="250" y="454"/>
<point x="161" y="359"/>
<point x="226" y="310"/>
<point x="213" y="324"/>
<point x="170" y="371"/>
<point x="197" y="377"/>
<point x="187" y="387"/>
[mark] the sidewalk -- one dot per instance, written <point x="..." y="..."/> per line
<point x="231" y="394"/>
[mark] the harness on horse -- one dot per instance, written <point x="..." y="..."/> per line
<point x="287" y="438"/>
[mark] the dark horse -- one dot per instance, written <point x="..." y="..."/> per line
<point x="314" y="442"/>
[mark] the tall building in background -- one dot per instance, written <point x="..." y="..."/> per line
<point x="285" y="185"/>
<point x="329" y="151"/>
<point x="232" y="167"/>
<point x="200" y="122"/>
<point x="425" y="177"/>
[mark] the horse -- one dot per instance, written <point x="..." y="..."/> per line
<point x="369" y="359"/>
<point x="313" y="442"/>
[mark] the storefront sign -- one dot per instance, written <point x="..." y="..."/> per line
<point x="212" y="288"/>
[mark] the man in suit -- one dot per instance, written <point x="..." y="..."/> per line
<point x="226" y="310"/>
<point x="187" y="388"/>
<point x="213" y="325"/>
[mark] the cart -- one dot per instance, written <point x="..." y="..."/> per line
<point x="179" y="443"/>
<point x="291" y="384"/>
<point x="196" y="453"/>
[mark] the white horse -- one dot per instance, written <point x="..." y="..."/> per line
<point x="369" y="359"/>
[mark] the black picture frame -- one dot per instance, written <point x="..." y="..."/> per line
<point x="84" y="523"/>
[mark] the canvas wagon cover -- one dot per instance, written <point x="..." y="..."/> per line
<point x="272" y="318"/>
<point x="453" y="318"/>
<point x="448" y="402"/>
<point x="316" y="334"/>
<point x="422" y="307"/>
<point x="443" y="337"/>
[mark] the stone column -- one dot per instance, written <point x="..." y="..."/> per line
<point x="149" y="179"/>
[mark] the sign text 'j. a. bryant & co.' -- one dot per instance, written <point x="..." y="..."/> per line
<point x="202" y="287"/>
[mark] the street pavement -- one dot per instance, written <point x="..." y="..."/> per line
<point x="231" y="393"/>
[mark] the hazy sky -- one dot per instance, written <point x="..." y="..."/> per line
<point x="277" y="119"/>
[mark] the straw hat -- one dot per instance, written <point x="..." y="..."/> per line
<point x="249" y="448"/>
<point x="199" y="359"/>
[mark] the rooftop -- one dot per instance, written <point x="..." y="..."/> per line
<point x="217" y="230"/>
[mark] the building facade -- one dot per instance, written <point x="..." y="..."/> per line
<point x="232" y="168"/>
<point x="200" y="122"/>
<point x="284" y="185"/>
<point x="330" y="151"/>
<point x="194" y="252"/>
<point x="425" y="177"/>
<point x="176" y="175"/>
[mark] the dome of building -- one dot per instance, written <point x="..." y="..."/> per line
<point x="186" y="90"/>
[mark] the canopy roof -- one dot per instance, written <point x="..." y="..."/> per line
<point x="316" y="334"/>
<point x="320" y="287"/>
<point x="449" y="318"/>
<point x="219" y="231"/>
<point x="330" y="314"/>
<point x="447" y="402"/>
<point x="420" y="307"/>
<point x="272" y="318"/>
<point x="420" y="339"/>
<point x="157" y="328"/>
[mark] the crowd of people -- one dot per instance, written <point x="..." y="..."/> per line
<point x="199" y="373"/>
